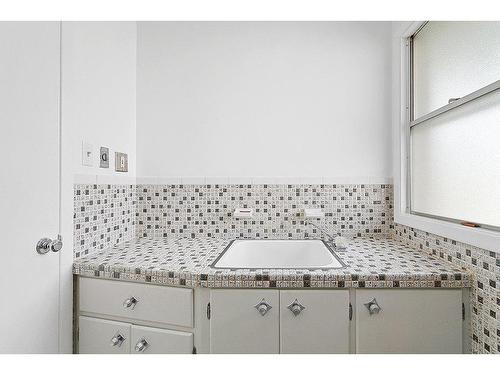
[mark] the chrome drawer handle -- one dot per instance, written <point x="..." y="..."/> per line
<point x="263" y="307"/>
<point x="130" y="302"/>
<point x="117" y="340"/>
<point x="373" y="307"/>
<point x="141" y="345"/>
<point x="296" y="307"/>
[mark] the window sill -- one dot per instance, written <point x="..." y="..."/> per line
<point x="479" y="237"/>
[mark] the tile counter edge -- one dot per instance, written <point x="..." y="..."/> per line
<point x="372" y="263"/>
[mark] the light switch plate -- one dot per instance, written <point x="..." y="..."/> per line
<point x="104" y="157"/>
<point x="87" y="154"/>
<point x="121" y="162"/>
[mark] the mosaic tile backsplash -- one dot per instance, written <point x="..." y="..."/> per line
<point x="207" y="210"/>
<point x="104" y="215"/>
<point x="485" y="291"/>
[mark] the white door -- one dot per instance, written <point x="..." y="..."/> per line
<point x="410" y="321"/>
<point x="314" y="321"/>
<point x="29" y="185"/>
<point x="244" y="321"/>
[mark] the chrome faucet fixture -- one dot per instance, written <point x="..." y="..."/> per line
<point x="331" y="238"/>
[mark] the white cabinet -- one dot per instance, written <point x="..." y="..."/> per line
<point x="314" y="321"/>
<point x="99" y="336"/>
<point x="409" y="321"/>
<point x="244" y="321"/>
<point x="146" y="340"/>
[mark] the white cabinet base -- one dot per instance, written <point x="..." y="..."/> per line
<point x="175" y="320"/>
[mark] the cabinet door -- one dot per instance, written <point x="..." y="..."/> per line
<point x="160" y="341"/>
<point x="314" y="321"/>
<point x="238" y="326"/>
<point x="410" y="321"/>
<point x="96" y="336"/>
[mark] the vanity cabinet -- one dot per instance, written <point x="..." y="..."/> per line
<point x="273" y="321"/>
<point x="409" y="321"/>
<point x="136" y="318"/>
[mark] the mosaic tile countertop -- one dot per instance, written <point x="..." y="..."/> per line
<point x="371" y="263"/>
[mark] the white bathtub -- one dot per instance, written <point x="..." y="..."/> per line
<point x="278" y="254"/>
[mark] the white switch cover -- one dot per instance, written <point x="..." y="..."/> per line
<point x="121" y="162"/>
<point x="87" y="154"/>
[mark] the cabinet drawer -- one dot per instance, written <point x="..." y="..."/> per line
<point x="154" y="303"/>
<point x="314" y="321"/>
<point x="96" y="336"/>
<point x="160" y="341"/>
<point x="409" y="321"/>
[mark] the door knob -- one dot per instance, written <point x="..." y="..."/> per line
<point x="373" y="307"/>
<point x="117" y="340"/>
<point x="296" y="307"/>
<point x="141" y="345"/>
<point x="130" y="302"/>
<point x="263" y="307"/>
<point x="46" y="244"/>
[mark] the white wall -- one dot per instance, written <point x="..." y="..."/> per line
<point x="264" y="99"/>
<point x="99" y="90"/>
<point x="98" y="104"/>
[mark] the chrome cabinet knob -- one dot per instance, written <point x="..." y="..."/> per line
<point x="46" y="244"/>
<point x="141" y="345"/>
<point x="263" y="307"/>
<point x="117" y="340"/>
<point x="296" y="307"/>
<point x="373" y="307"/>
<point x="130" y="302"/>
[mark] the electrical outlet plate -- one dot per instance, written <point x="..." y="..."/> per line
<point x="87" y="154"/>
<point x="121" y="162"/>
<point x="104" y="157"/>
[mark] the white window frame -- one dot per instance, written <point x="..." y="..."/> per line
<point x="480" y="237"/>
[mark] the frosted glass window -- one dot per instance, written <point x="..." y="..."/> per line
<point x="455" y="163"/>
<point x="451" y="60"/>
